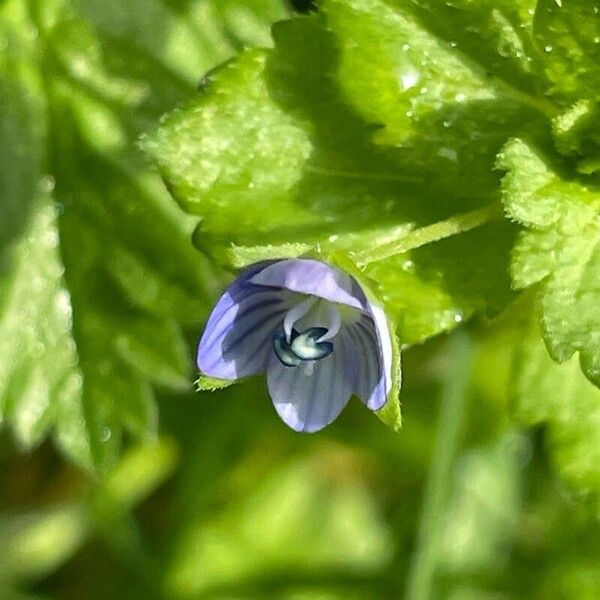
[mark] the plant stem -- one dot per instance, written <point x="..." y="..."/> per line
<point x="452" y="407"/>
<point x="430" y="233"/>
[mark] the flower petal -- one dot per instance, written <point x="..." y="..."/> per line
<point x="384" y="338"/>
<point x="308" y="276"/>
<point x="237" y="340"/>
<point x="370" y="382"/>
<point x="310" y="402"/>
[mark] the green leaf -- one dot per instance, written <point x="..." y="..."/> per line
<point x="104" y="277"/>
<point x="437" y="287"/>
<point x="204" y="383"/>
<point x="391" y="413"/>
<point x="38" y="543"/>
<point x="40" y="380"/>
<point x="22" y="126"/>
<point x="188" y="38"/>
<point x="560" y="249"/>
<point x="559" y="397"/>
<point x="20" y="169"/>
<point x="567" y="32"/>
<point x="68" y="365"/>
<point x="273" y="160"/>
<point x="203" y="154"/>
<point x="577" y="134"/>
<point x="432" y="70"/>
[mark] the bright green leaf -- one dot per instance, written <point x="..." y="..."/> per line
<point x="559" y="397"/>
<point x="433" y="69"/>
<point x="273" y="161"/>
<point x="40" y="380"/>
<point x="577" y="134"/>
<point x="559" y="248"/>
<point x="211" y="384"/>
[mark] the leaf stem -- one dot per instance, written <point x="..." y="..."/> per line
<point x="430" y="233"/>
<point x="365" y="175"/>
<point x="452" y="408"/>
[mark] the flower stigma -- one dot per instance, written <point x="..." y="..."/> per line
<point x="293" y="348"/>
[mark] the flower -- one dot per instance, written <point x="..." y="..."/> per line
<point x="311" y="328"/>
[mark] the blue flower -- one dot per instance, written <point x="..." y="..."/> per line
<point x="311" y="328"/>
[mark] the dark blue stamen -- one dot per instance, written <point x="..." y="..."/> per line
<point x="283" y="350"/>
<point x="301" y="347"/>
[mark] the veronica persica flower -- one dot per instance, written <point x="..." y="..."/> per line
<point x="311" y="328"/>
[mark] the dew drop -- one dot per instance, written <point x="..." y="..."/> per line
<point x="47" y="184"/>
<point x="548" y="48"/>
<point x="409" y="79"/>
<point x="449" y="153"/>
<point x="408" y="266"/>
<point x="105" y="434"/>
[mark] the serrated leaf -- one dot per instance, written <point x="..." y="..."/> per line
<point x="201" y="152"/>
<point x="40" y="380"/>
<point x="91" y="314"/>
<point x="270" y="156"/>
<point x="577" y="134"/>
<point x="561" y="398"/>
<point x="560" y="249"/>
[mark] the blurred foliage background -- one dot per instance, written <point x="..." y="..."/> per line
<point x="166" y="493"/>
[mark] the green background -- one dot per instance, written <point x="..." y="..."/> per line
<point x="117" y="480"/>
